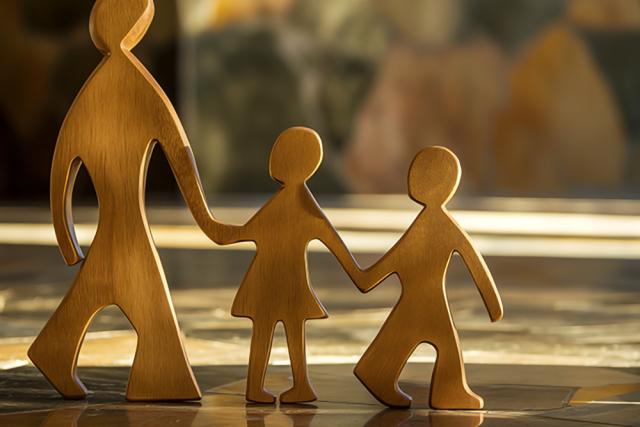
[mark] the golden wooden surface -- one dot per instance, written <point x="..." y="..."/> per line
<point x="111" y="128"/>
<point x="276" y="287"/>
<point x="420" y="259"/>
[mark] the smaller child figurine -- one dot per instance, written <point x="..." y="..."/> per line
<point x="276" y="287"/>
<point x="420" y="259"/>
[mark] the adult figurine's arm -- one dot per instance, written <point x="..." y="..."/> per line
<point x="183" y="164"/>
<point x="64" y="171"/>
<point x="481" y="276"/>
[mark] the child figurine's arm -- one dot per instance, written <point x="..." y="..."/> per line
<point x="63" y="175"/>
<point x="332" y="240"/>
<point x="481" y="276"/>
<point x="365" y="280"/>
<point x="377" y="273"/>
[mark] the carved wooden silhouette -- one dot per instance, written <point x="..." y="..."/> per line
<point x="111" y="128"/>
<point x="420" y="259"/>
<point x="276" y="287"/>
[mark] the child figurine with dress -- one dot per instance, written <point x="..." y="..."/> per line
<point x="276" y="287"/>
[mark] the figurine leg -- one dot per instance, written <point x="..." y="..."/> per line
<point x="449" y="389"/>
<point x="160" y="370"/>
<point x="258" y="360"/>
<point x="380" y="366"/>
<point x="55" y="351"/>
<point x="301" y="390"/>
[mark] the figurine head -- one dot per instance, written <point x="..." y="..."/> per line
<point x="295" y="156"/>
<point x="434" y="176"/>
<point x="120" y="24"/>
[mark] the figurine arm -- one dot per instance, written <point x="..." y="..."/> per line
<point x="377" y="273"/>
<point x="230" y="233"/>
<point x="64" y="171"/>
<point x="332" y="240"/>
<point x="481" y="276"/>
<point x="183" y="164"/>
<point x="365" y="280"/>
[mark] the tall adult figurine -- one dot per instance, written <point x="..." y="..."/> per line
<point x="420" y="259"/>
<point x="111" y="128"/>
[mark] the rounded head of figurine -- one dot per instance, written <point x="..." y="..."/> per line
<point x="295" y="156"/>
<point x="434" y="176"/>
<point x="120" y="24"/>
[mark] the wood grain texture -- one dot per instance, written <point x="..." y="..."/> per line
<point x="111" y="129"/>
<point x="276" y="287"/>
<point x="420" y="259"/>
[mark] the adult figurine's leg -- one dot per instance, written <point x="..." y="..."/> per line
<point x="301" y="390"/>
<point x="55" y="351"/>
<point x="258" y="360"/>
<point x="160" y="370"/>
<point x="449" y="389"/>
<point x="380" y="366"/>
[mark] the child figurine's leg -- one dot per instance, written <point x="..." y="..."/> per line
<point x="301" y="390"/>
<point x="380" y="366"/>
<point x="449" y="389"/>
<point x="55" y="350"/>
<point x="258" y="360"/>
<point x="160" y="370"/>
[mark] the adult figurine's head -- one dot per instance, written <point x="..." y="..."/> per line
<point x="434" y="176"/>
<point x="120" y="24"/>
<point x="295" y="156"/>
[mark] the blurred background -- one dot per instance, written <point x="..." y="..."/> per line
<point x="540" y="99"/>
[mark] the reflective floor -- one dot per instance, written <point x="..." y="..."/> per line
<point x="567" y="350"/>
<point x="513" y="395"/>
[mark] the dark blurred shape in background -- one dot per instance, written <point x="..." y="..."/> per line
<point x="538" y="97"/>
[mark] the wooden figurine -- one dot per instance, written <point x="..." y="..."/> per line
<point x="276" y="287"/>
<point x="420" y="259"/>
<point x="111" y="129"/>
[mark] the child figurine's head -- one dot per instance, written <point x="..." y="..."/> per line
<point x="295" y="156"/>
<point x="116" y="24"/>
<point x="434" y="176"/>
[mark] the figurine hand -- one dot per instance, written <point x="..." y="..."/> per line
<point x="72" y="256"/>
<point x="216" y="233"/>
<point x="494" y="307"/>
<point x="496" y="313"/>
<point x="222" y="234"/>
<point x="362" y="289"/>
<point x="361" y="282"/>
